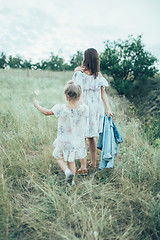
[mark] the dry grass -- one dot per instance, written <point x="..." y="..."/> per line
<point x="121" y="203"/>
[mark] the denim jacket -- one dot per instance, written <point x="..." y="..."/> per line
<point x="108" y="142"/>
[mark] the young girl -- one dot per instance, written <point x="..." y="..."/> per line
<point x="72" y="129"/>
<point x="88" y="76"/>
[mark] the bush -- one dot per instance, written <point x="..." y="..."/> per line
<point x="129" y="64"/>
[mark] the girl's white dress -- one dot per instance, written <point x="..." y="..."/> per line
<point x="92" y="98"/>
<point x="72" y="130"/>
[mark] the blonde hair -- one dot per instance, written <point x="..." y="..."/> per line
<point x="72" y="91"/>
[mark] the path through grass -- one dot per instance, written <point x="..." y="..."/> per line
<point x="121" y="203"/>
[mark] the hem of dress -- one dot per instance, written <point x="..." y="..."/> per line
<point x="67" y="160"/>
<point x="93" y="135"/>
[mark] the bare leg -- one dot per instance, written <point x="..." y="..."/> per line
<point x="62" y="164"/>
<point x="83" y="163"/>
<point x="93" y="150"/>
<point x="69" y="172"/>
<point x="83" y="160"/>
<point x="72" y="167"/>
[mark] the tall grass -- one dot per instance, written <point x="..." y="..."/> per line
<point x="120" y="203"/>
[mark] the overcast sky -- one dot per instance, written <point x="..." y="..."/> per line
<point x="35" y="28"/>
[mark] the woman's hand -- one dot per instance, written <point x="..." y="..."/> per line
<point x="110" y="114"/>
<point x="105" y="101"/>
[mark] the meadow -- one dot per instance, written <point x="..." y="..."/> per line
<point x="113" y="204"/>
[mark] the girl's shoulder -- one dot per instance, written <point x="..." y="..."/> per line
<point x="56" y="109"/>
<point x="59" y="107"/>
<point x="84" y="107"/>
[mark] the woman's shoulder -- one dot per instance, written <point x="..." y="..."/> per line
<point x="100" y="74"/>
<point x="79" y="68"/>
<point x="102" y="81"/>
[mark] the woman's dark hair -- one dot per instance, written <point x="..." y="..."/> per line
<point x="91" y="61"/>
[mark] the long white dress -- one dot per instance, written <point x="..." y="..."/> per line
<point x="72" y="130"/>
<point x="92" y="98"/>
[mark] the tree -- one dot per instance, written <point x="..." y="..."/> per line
<point x="37" y="65"/>
<point x="14" y="62"/>
<point x="44" y="64"/>
<point x="129" y="64"/>
<point x="3" y="61"/>
<point x="66" y="67"/>
<point x="55" y="62"/>
<point x="76" y="60"/>
<point x="26" y="64"/>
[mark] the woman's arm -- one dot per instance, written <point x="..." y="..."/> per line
<point x="43" y="110"/>
<point x="105" y="100"/>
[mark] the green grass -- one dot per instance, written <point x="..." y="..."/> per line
<point x="121" y="203"/>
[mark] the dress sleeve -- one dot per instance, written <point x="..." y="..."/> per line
<point x="103" y="82"/>
<point x="56" y="109"/>
<point x="77" y="78"/>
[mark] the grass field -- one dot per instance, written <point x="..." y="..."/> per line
<point x="120" y="203"/>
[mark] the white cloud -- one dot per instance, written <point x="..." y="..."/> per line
<point x="34" y="28"/>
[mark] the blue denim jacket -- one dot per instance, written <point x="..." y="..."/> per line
<point x="108" y="142"/>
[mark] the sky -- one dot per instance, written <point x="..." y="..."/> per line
<point x="33" y="29"/>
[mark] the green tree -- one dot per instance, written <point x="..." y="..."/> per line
<point x="55" y="62"/>
<point x="3" y="61"/>
<point x="76" y="60"/>
<point x="26" y="64"/>
<point x="44" y="64"/>
<point x="66" y="67"/>
<point x="14" y="62"/>
<point x="37" y="65"/>
<point x="129" y="64"/>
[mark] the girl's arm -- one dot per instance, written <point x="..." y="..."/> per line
<point x="105" y="100"/>
<point x="43" y="110"/>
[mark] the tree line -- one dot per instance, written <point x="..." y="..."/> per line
<point x="54" y="62"/>
<point x="128" y="62"/>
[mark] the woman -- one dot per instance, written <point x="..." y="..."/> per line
<point x="93" y="84"/>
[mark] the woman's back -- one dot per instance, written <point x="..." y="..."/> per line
<point x="92" y="98"/>
<point x="89" y="78"/>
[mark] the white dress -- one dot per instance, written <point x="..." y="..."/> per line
<point x="72" y="130"/>
<point x="92" y="98"/>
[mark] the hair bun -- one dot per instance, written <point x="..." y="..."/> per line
<point x="73" y="91"/>
<point x="70" y="82"/>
